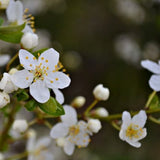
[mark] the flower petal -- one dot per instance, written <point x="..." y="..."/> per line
<point x="28" y="61"/>
<point x="140" y="119"/>
<point x="154" y="82"/>
<point x="134" y="144"/>
<point x="43" y="142"/>
<point x="49" y="58"/>
<point x="59" y="130"/>
<point x="151" y="66"/>
<point x="70" y="117"/>
<point x="69" y="148"/>
<point x="22" y="79"/>
<point x="15" y="11"/>
<point x="126" y="119"/>
<point x="59" y="95"/>
<point x="39" y="91"/>
<point x="57" y="80"/>
<point x="4" y="59"/>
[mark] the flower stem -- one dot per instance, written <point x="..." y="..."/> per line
<point x="18" y="156"/>
<point x="11" y="61"/>
<point x="154" y="120"/>
<point x="90" y="107"/>
<point x="150" y="99"/>
<point x="114" y="124"/>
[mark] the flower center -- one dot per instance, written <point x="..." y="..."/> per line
<point x="74" y="130"/>
<point x="133" y="131"/>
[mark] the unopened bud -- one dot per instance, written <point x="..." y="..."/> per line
<point x="101" y="93"/>
<point x="4" y="99"/>
<point x="60" y="142"/>
<point x="12" y="71"/>
<point x="94" y="125"/>
<point x="29" y="40"/>
<point x="102" y="112"/>
<point x="20" y="125"/>
<point x="79" y="101"/>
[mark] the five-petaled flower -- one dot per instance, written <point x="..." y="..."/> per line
<point x="154" y="81"/>
<point x="132" y="128"/>
<point x="41" y="74"/>
<point x="71" y="131"/>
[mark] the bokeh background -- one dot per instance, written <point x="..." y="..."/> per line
<point x="103" y="41"/>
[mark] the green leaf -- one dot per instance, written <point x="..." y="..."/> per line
<point x="155" y="103"/>
<point x="22" y="95"/>
<point x="52" y="107"/>
<point x="1" y="21"/>
<point x="31" y="105"/>
<point x="12" y="34"/>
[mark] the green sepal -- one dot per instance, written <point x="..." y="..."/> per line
<point x="155" y="103"/>
<point x="12" y="34"/>
<point x="30" y="105"/>
<point x="52" y="107"/>
<point x="22" y="95"/>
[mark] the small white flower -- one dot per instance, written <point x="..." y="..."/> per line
<point x="102" y="112"/>
<point x="94" y="125"/>
<point x="79" y="101"/>
<point x="29" y="40"/>
<point x="4" y="4"/>
<point x="20" y="125"/>
<point x="41" y="74"/>
<point x="132" y="128"/>
<point x="15" y="15"/>
<point x="101" y="93"/>
<point x="39" y="150"/>
<point x="6" y="84"/>
<point x="154" y="81"/>
<point x="4" y="59"/>
<point x="73" y="132"/>
<point x="4" y="99"/>
<point x="2" y="156"/>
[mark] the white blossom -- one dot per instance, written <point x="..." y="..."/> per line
<point x="41" y="74"/>
<point x="39" y="150"/>
<point x="79" y="101"/>
<point x="101" y="93"/>
<point x="132" y="128"/>
<point x="15" y="15"/>
<point x="20" y="125"/>
<point x="94" y="125"/>
<point x="4" y="99"/>
<point x="4" y="4"/>
<point x="102" y="112"/>
<point x="29" y="40"/>
<point x="73" y="132"/>
<point x="4" y="59"/>
<point x="6" y="84"/>
<point x="154" y="81"/>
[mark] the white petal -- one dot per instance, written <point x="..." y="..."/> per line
<point x="154" y="82"/>
<point x="151" y="66"/>
<point x="134" y="144"/>
<point x="15" y="11"/>
<point x="57" y="80"/>
<point x="4" y="59"/>
<point x="70" y="117"/>
<point x="140" y="119"/>
<point x="59" y="95"/>
<point x="126" y="119"/>
<point x="39" y="91"/>
<point x="27" y="28"/>
<point x="69" y="148"/>
<point x="122" y="134"/>
<point x="22" y="79"/>
<point x="49" y="58"/>
<point x="43" y="142"/>
<point x="59" y="130"/>
<point x="28" y="61"/>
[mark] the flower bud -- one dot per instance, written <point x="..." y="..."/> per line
<point x="102" y="112"/>
<point x="6" y="84"/>
<point x="101" y="93"/>
<point x="1" y="156"/>
<point x="94" y="125"/>
<point x="79" y="101"/>
<point x="4" y="99"/>
<point x="20" y="125"/>
<point x="60" y="142"/>
<point x="12" y="71"/>
<point x="29" y="40"/>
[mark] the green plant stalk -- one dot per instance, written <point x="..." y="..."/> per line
<point x="150" y="99"/>
<point x="18" y="156"/>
